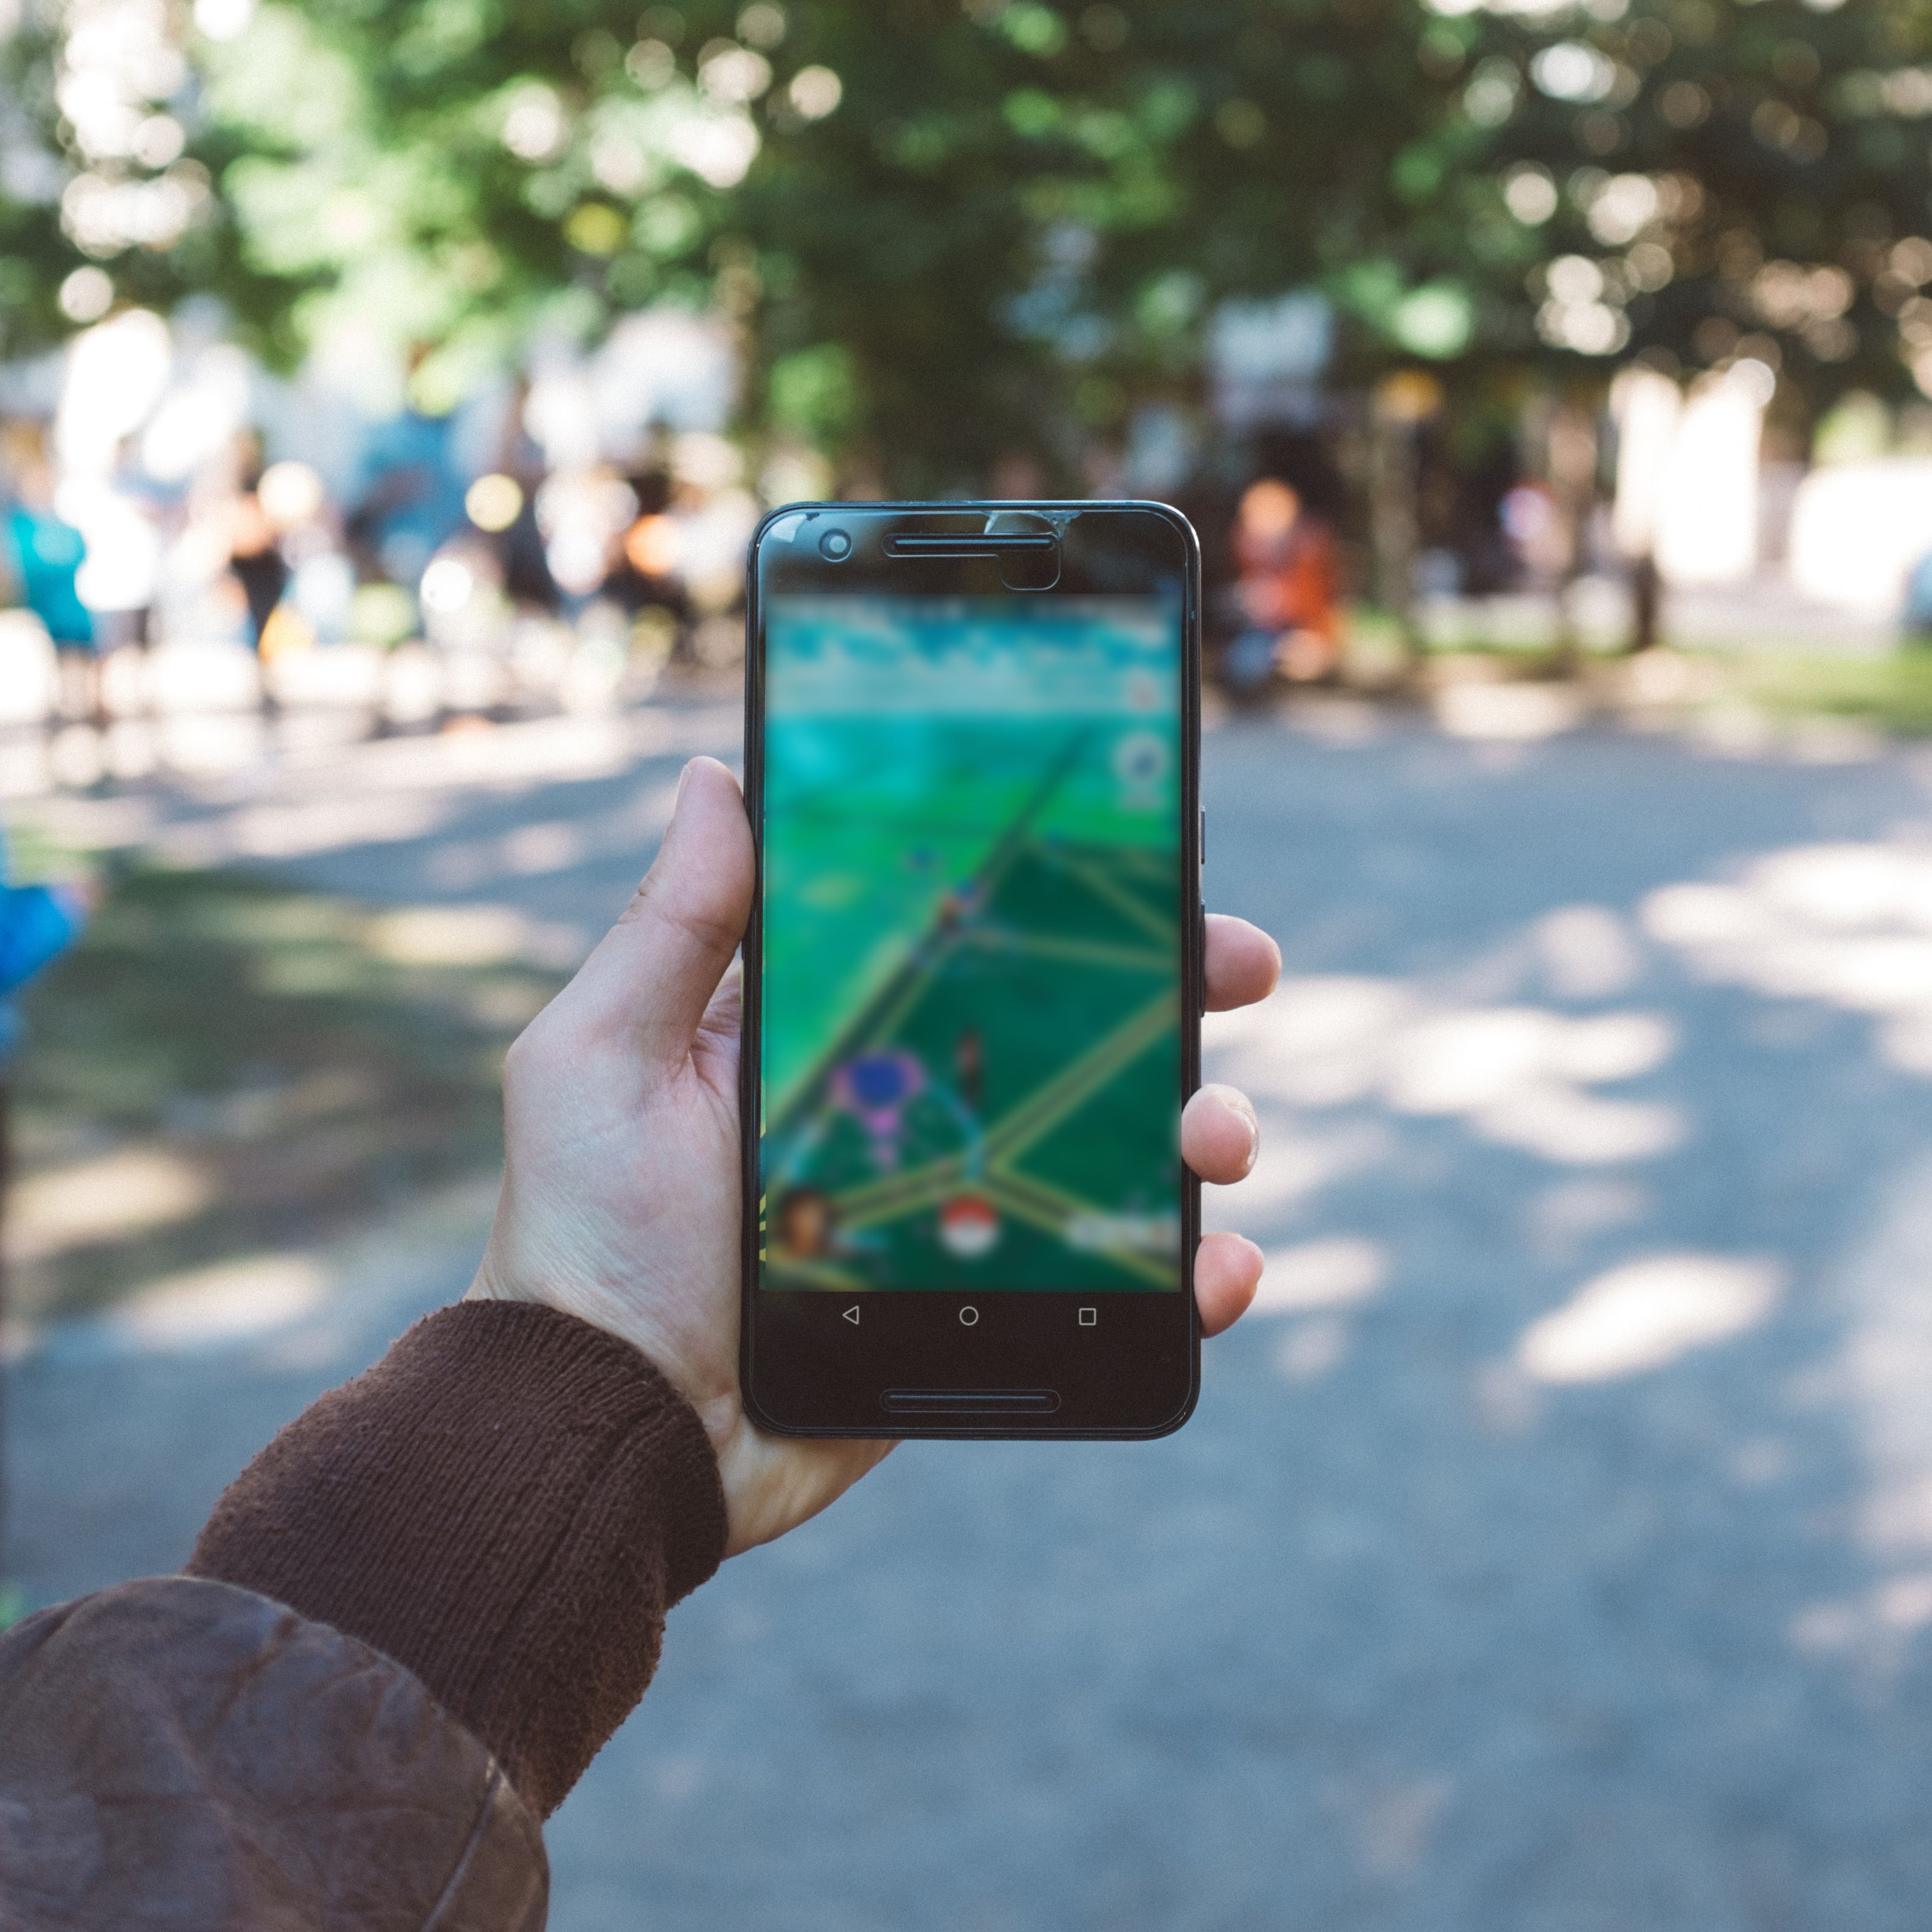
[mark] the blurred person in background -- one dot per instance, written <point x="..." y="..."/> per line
<point x="584" y="515"/>
<point x="409" y="500"/>
<point x="322" y="581"/>
<point x="1287" y="589"/>
<point x="647" y="575"/>
<point x="1533" y="528"/>
<point x="713" y="514"/>
<point x="284" y="555"/>
<point x="255" y="556"/>
<point x="503" y="504"/>
<point x="527" y="582"/>
<point x="123" y="574"/>
<point x="45" y="553"/>
<point x="37" y="924"/>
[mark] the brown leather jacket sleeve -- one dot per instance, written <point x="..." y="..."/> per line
<point x="407" y="1627"/>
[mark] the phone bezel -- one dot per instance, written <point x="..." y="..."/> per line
<point x="1137" y="1375"/>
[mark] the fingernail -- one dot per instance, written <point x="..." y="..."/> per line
<point x="683" y="779"/>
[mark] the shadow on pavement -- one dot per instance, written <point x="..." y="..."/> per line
<point x="1553" y="1550"/>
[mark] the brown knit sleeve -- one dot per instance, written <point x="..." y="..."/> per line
<point x="506" y="1504"/>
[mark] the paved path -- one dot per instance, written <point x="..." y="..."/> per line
<point x="1553" y="1554"/>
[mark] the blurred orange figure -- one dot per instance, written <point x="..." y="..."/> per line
<point x="653" y="544"/>
<point x="1286" y="559"/>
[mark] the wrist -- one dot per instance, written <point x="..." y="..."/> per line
<point x="555" y="1285"/>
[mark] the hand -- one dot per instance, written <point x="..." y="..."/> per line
<point x="620" y="1186"/>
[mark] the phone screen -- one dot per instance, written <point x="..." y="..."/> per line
<point x="970" y="1053"/>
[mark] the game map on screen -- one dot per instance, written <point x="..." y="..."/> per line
<point x="970" y="1020"/>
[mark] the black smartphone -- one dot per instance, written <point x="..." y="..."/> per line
<point x="972" y="975"/>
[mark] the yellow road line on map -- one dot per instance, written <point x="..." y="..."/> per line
<point x="1053" y="1102"/>
<point x="914" y="991"/>
<point x="1088" y="952"/>
<point x="1101" y="886"/>
<point x="870" y="1199"/>
<point x="820" y="1276"/>
<point x="1045" y="1191"/>
<point x="948" y="941"/>
<point x="909" y="997"/>
<point x="1149" y="866"/>
<point x="933" y="1184"/>
<point x="901" y="1193"/>
<point x="1047" y="1208"/>
<point x="1010" y="843"/>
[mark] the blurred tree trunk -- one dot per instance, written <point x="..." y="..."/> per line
<point x="1646" y="408"/>
<point x="1392" y="526"/>
<point x="1403" y="403"/>
<point x="1646" y="604"/>
<point x="1571" y="453"/>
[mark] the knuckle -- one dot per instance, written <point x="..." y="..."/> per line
<point x="706" y="926"/>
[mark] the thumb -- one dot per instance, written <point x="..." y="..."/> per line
<point x="652" y="974"/>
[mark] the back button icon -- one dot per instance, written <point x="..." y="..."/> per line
<point x="852" y="1315"/>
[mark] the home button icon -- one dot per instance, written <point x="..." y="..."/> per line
<point x="969" y="1316"/>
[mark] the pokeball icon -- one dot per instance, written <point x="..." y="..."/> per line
<point x="969" y="1226"/>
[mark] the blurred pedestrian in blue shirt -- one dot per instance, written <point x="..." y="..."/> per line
<point x="409" y="498"/>
<point x="1918" y="603"/>
<point x="45" y="552"/>
<point x="48" y="554"/>
<point x="37" y="924"/>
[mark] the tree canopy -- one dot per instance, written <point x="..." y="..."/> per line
<point x="946" y="232"/>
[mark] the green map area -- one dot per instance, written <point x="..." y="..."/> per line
<point x="971" y="1042"/>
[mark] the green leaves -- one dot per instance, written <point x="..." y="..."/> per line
<point x="1033" y="29"/>
<point x="813" y="393"/>
<point x="1437" y="320"/>
<point x="947" y="234"/>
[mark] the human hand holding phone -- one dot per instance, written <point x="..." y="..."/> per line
<point x="620" y="1196"/>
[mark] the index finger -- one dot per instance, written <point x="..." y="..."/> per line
<point x="1243" y="963"/>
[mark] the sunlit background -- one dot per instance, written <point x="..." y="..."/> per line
<point x="387" y="395"/>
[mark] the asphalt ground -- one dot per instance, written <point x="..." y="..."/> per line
<point x="1553" y="1552"/>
